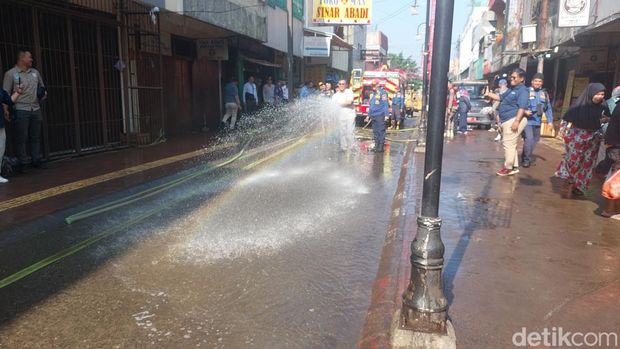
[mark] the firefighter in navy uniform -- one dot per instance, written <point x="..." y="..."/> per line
<point x="539" y="104"/>
<point x="378" y="112"/>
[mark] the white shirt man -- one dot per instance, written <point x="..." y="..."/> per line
<point x="269" y="92"/>
<point x="285" y="92"/>
<point x="346" y="114"/>
<point x="250" y="95"/>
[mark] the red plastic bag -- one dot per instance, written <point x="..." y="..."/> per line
<point x="611" y="187"/>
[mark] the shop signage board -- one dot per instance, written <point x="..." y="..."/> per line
<point x="213" y="49"/>
<point x="349" y="12"/>
<point x="317" y="46"/>
<point x="574" y="13"/>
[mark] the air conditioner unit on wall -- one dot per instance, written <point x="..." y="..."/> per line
<point x="528" y="33"/>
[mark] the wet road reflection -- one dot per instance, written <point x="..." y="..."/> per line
<point x="279" y="256"/>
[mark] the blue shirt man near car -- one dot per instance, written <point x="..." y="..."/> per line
<point x="539" y="105"/>
<point x="512" y="108"/>
<point x="379" y="113"/>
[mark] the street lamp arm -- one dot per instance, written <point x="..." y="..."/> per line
<point x="420" y="25"/>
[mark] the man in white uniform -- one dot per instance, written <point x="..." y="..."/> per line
<point x="346" y="114"/>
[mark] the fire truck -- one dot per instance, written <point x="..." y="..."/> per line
<point x="391" y="81"/>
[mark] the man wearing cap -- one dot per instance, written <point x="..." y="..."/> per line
<point x="539" y="104"/>
<point x="378" y="112"/>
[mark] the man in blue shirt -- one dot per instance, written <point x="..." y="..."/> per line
<point x="539" y="105"/>
<point x="398" y="106"/>
<point x="231" y="102"/>
<point x="513" y="105"/>
<point x="378" y="112"/>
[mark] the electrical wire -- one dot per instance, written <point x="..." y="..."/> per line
<point x="392" y="15"/>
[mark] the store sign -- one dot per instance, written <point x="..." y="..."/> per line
<point x="341" y="11"/>
<point x="371" y="54"/>
<point x="213" y="49"/>
<point x="574" y="13"/>
<point x="317" y="46"/>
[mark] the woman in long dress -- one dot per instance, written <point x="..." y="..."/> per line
<point x="582" y="138"/>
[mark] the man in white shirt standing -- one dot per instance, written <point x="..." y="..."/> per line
<point x="269" y="93"/>
<point x="346" y="114"/>
<point x="250" y="95"/>
<point x="284" y="92"/>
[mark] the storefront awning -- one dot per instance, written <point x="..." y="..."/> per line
<point x="261" y="62"/>
<point x="336" y="40"/>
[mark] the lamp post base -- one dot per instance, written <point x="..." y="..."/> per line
<point x="402" y="338"/>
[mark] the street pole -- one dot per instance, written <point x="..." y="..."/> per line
<point x="425" y="306"/>
<point x="289" y="83"/>
<point x="423" y="112"/>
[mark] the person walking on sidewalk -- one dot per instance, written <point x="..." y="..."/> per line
<point x="539" y="105"/>
<point x="451" y="105"/>
<point x="513" y="104"/>
<point x="582" y="138"/>
<point x="378" y="112"/>
<point x="232" y="103"/>
<point x="464" y="106"/>
<point x="250" y="96"/>
<point x="26" y="80"/>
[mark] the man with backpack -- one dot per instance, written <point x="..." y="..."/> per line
<point x="539" y="104"/>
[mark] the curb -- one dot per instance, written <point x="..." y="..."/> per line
<point x="389" y="282"/>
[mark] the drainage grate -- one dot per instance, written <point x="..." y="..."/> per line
<point x="483" y="212"/>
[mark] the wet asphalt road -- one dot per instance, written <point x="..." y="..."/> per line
<point x="279" y="255"/>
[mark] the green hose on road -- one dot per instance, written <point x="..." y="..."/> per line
<point x="77" y="247"/>
<point x="164" y="186"/>
<point x="124" y="201"/>
<point x="151" y="191"/>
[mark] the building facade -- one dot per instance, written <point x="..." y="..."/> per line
<point x="131" y="72"/>
<point x="571" y="43"/>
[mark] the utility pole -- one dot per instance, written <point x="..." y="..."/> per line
<point x="425" y="53"/>
<point x="542" y="23"/>
<point x="425" y="306"/>
<point x="289" y="83"/>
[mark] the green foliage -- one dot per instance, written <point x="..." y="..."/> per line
<point x="408" y="64"/>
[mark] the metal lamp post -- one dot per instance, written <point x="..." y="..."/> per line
<point x="425" y="306"/>
<point x="417" y="34"/>
<point x="425" y="52"/>
<point x="289" y="43"/>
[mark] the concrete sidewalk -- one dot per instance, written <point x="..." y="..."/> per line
<point x="517" y="255"/>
